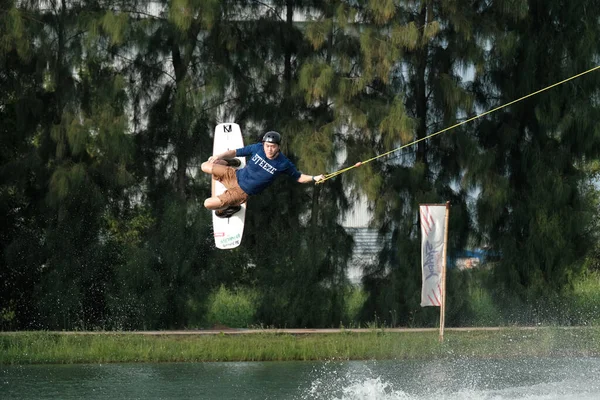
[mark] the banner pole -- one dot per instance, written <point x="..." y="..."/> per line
<point x="443" y="306"/>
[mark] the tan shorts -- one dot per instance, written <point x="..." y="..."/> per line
<point x="234" y="195"/>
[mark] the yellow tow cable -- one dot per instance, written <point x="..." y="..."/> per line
<point x="358" y="164"/>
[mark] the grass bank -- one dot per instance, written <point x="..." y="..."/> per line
<point x="45" y="347"/>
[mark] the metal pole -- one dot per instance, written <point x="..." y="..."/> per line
<point x="443" y="306"/>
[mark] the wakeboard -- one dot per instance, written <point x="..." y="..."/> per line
<point x="228" y="231"/>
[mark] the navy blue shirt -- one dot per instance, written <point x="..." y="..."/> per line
<point x="259" y="171"/>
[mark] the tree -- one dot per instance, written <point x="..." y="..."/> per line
<point x="69" y="118"/>
<point x="414" y="52"/>
<point x="21" y="170"/>
<point x="531" y="209"/>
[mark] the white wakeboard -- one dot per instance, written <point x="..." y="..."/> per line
<point x="228" y="231"/>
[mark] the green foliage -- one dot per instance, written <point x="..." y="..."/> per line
<point x="397" y="126"/>
<point x="533" y="210"/>
<point x="316" y="80"/>
<point x="355" y="299"/>
<point x="7" y="317"/>
<point x="317" y="32"/>
<point x="115" y="24"/>
<point x="482" y="308"/>
<point x="107" y="115"/>
<point x="584" y="301"/>
<point x="475" y="299"/>
<point x="593" y="260"/>
<point x="232" y="308"/>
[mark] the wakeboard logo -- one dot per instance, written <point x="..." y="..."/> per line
<point x="234" y="240"/>
<point x="227" y="128"/>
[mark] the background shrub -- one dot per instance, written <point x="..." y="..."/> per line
<point x="232" y="308"/>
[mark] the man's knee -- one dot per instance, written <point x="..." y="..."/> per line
<point x="213" y="203"/>
<point x="207" y="167"/>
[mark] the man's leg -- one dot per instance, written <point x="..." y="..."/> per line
<point x="230" y="162"/>
<point x="213" y="203"/>
<point x="233" y="197"/>
<point x="209" y="168"/>
<point x="229" y="201"/>
<point x="218" y="170"/>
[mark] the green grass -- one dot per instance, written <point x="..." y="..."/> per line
<point x="45" y="347"/>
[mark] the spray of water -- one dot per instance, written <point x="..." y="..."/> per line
<point x="535" y="379"/>
<point x="357" y="382"/>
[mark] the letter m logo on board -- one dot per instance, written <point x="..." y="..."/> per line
<point x="227" y="128"/>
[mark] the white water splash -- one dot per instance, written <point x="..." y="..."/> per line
<point x="373" y="389"/>
<point x="376" y="389"/>
<point x="355" y="383"/>
<point x="361" y="382"/>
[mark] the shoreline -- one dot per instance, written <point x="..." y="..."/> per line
<point x="289" y="331"/>
<point x="216" y="345"/>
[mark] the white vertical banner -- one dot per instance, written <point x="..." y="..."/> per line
<point x="433" y="235"/>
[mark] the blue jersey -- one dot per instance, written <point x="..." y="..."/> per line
<point x="259" y="171"/>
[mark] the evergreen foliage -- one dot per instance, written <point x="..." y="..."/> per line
<point x="533" y="209"/>
<point x="107" y="110"/>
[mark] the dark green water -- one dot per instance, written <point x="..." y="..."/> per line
<point x="471" y="379"/>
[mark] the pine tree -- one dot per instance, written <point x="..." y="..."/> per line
<point x="394" y="77"/>
<point x="77" y="154"/>
<point x="21" y="172"/>
<point x="531" y="209"/>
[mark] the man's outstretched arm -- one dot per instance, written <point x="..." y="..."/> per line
<point x="310" y="178"/>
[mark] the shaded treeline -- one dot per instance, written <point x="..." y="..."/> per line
<point x="107" y="109"/>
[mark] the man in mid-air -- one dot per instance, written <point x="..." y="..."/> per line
<point x="265" y="162"/>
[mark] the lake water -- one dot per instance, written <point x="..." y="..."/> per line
<point x="465" y="378"/>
